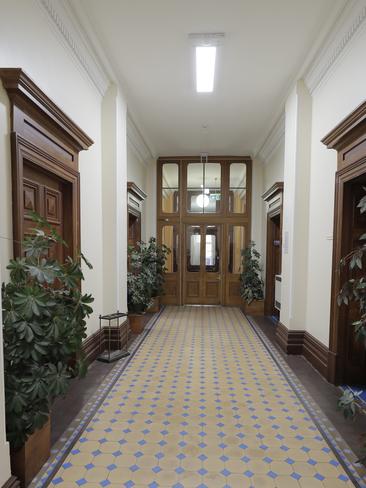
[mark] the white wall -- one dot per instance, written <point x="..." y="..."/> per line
<point x="273" y="168"/>
<point x="341" y="91"/>
<point x="137" y="172"/>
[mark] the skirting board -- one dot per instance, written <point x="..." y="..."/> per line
<point x="96" y="342"/>
<point x="12" y="482"/>
<point x="301" y="342"/>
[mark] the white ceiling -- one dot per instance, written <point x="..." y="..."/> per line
<point x="266" y="42"/>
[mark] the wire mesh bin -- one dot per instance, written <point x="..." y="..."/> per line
<point x="112" y="336"/>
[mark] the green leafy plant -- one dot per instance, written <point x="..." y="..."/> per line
<point x="154" y="258"/>
<point x="140" y="280"/>
<point x="251" y="283"/>
<point x="44" y="324"/>
<point x="354" y="290"/>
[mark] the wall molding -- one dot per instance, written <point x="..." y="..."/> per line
<point x="301" y="342"/>
<point x="61" y="21"/>
<point x="349" y="23"/>
<point x="137" y="142"/>
<point x="273" y="140"/>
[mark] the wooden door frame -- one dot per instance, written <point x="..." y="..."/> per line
<point x="274" y="198"/>
<point x="224" y="217"/>
<point x="349" y="140"/>
<point x="45" y="136"/>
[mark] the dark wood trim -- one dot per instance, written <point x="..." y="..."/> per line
<point x="275" y="189"/>
<point x="12" y="482"/>
<point x="316" y="353"/>
<point x="301" y="342"/>
<point x="341" y="131"/>
<point x="136" y="191"/>
<point x="23" y="92"/>
<point x="95" y="344"/>
<point x="210" y="158"/>
<point x="291" y="341"/>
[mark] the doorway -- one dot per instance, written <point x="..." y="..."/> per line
<point x="273" y="264"/>
<point x="202" y="267"/>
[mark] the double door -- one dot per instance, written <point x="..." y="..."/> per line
<point x="202" y="266"/>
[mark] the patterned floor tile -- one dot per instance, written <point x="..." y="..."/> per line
<point x="204" y="401"/>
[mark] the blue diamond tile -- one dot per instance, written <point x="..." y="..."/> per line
<point x="58" y="480"/>
<point x="111" y="467"/>
<point x="267" y="459"/>
<point x="67" y="465"/>
<point x="343" y="477"/>
<point x="272" y="474"/>
<point x="225" y="472"/>
<point x="81" y="482"/>
<point x="129" y="484"/>
<point x="224" y="458"/>
<point x="202" y="457"/>
<point x="179" y="470"/>
<point x="134" y="468"/>
<point x="312" y="462"/>
<point x="319" y="476"/>
<point x="89" y="466"/>
<point x="156" y="469"/>
<point x="202" y="471"/>
<point x="248" y="473"/>
<point x="105" y="483"/>
<point x="153" y="485"/>
<point x="295" y="476"/>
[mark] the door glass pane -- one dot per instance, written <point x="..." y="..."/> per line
<point x="169" y="200"/>
<point x="170" y="188"/>
<point x="238" y="175"/>
<point x="237" y="200"/>
<point x="170" y="237"/>
<point x="212" y="251"/>
<point x="237" y="190"/>
<point x="236" y="245"/>
<point x="213" y="175"/>
<point x="193" y="248"/>
<point x="195" y="175"/>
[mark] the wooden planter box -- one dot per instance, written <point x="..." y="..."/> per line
<point x="29" y="459"/>
<point x="137" y="322"/>
<point x="155" y="307"/>
<point x="256" y="307"/>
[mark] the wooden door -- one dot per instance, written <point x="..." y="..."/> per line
<point x="273" y="262"/>
<point x="134" y="228"/>
<point x="354" y="349"/>
<point x="47" y="195"/>
<point x="169" y="235"/>
<point x="235" y="241"/>
<point x="202" y="264"/>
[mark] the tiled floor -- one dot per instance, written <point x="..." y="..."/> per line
<point x="203" y="403"/>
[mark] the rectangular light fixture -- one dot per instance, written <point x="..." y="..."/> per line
<point x="205" y="68"/>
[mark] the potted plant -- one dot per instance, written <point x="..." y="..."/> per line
<point x="44" y="325"/>
<point x="354" y="291"/>
<point x="155" y="258"/>
<point x="251" y="283"/>
<point x="140" y="282"/>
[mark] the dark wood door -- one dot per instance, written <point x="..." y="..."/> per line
<point x="202" y="268"/>
<point x="273" y="262"/>
<point x="354" y="349"/>
<point x="134" y="228"/>
<point x="47" y="195"/>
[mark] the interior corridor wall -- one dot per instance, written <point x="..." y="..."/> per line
<point x="338" y="95"/>
<point x="46" y="59"/>
<point x="137" y="173"/>
<point x="273" y="167"/>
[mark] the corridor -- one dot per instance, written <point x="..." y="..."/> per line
<point x="203" y="401"/>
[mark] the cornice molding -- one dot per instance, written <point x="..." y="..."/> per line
<point x="349" y="23"/>
<point x="61" y="21"/>
<point x="23" y="92"/>
<point x="137" y="142"/>
<point x="273" y="140"/>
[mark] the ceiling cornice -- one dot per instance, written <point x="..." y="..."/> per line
<point x="351" y="20"/>
<point x="273" y="140"/>
<point x="70" y="35"/>
<point x="137" y="142"/>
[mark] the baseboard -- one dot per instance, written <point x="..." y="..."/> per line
<point x="303" y="343"/>
<point x="12" y="482"/>
<point x="316" y="353"/>
<point x="97" y="342"/>
<point x="291" y="341"/>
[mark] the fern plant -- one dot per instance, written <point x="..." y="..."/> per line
<point x="44" y="324"/>
<point x="251" y="283"/>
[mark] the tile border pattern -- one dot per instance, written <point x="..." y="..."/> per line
<point x="63" y="446"/>
<point x="66" y="442"/>
<point x="338" y="445"/>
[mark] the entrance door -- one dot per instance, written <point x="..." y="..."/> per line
<point x="202" y="267"/>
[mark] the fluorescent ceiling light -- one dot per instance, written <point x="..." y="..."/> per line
<point x="205" y="68"/>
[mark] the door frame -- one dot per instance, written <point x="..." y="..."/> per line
<point x="348" y="138"/>
<point x="202" y="274"/>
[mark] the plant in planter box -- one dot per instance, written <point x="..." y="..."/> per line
<point x="154" y="258"/>
<point x="251" y="283"/>
<point x="44" y="324"/>
<point x="354" y="291"/>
